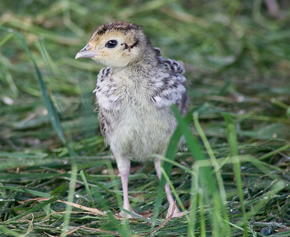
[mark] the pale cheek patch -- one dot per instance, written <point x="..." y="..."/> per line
<point x="104" y="54"/>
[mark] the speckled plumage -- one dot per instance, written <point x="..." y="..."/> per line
<point x="134" y="94"/>
<point x="140" y="107"/>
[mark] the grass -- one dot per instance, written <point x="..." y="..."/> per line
<point x="56" y="175"/>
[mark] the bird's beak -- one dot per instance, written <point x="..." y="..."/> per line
<point x="86" y="53"/>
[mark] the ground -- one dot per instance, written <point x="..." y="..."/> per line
<point x="57" y="177"/>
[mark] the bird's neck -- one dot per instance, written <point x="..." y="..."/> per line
<point x="147" y="61"/>
<point x="149" y="57"/>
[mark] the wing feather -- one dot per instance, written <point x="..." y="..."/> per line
<point x="169" y="85"/>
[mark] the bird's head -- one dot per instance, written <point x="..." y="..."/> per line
<point x="117" y="44"/>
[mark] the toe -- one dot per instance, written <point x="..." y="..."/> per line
<point x="127" y="215"/>
<point x="174" y="212"/>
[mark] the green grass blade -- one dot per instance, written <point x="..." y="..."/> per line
<point x="217" y="170"/>
<point x="201" y="212"/>
<point x="173" y="190"/>
<point x="70" y="198"/>
<point x="83" y="176"/>
<point x="206" y="179"/>
<point x="193" y="201"/>
<point x="52" y="113"/>
<point x="170" y="155"/>
<point x="32" y="210"/>
<point x="233" y="143"/>
<point x="7" y="232"/>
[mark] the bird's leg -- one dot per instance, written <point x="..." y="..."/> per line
<point x="124" y="170"/>
<point x="173" y="210"/>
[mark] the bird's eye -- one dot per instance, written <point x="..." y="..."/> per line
<point x="111" y="44"/>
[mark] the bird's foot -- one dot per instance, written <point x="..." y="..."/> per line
<point x="173" y="211"/>
<point x="124" y="214"/>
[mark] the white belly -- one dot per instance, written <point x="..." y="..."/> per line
<point x="140" y="132"/>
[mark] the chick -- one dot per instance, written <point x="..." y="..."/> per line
<point x="134" y="94"/>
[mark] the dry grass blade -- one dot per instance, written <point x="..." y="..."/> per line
<point x="91" y="210"/>
<point x="63" y="212"/>
<point x="94" y="211"/>
<point x="93" y="230"/>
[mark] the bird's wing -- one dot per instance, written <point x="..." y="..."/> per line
<point x="171" y="65"/>
<point x="168" y="86"/>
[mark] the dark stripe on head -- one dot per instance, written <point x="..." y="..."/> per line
<point x="126" y="46"/>
<point x="118" y="25"/>
<point x="135" y="44"/>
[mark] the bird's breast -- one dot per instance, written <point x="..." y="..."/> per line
<point x="138" y="128"/>
<point x="119" y="90"/>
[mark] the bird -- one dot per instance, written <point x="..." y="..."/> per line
<point x="134" y="94"/>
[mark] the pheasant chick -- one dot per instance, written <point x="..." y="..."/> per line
<point x="134" y="94"/>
